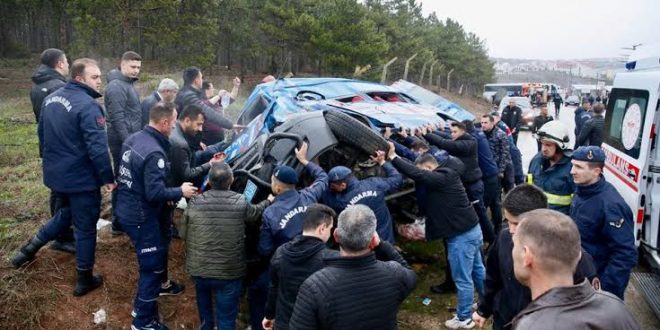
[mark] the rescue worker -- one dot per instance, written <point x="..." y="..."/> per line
<point x="604" y="220"/>
<point x="76" y="163"/>
<point x="344" y="190"/>
<point x="142" y="194"/>
<point x="550" y="169"/>
<point x="282" y="221"/>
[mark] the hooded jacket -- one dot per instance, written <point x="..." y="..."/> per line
<point x="122" y="102"/>
<point x="46" y="80"/>
<point x="213" y="227"/>
<point x="290" y="266"/>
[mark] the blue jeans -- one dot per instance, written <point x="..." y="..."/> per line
<point x="82" y="210"/>
<point x="151" y="248"/>
<point x="467" y="268"/>
<point x="226" y="293"/>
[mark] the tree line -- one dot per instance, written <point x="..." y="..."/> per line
<point x="323" y="37"/>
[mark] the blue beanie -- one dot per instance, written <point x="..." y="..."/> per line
<point x="286" y="174"/>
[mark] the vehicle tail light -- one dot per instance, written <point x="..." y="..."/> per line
<point x="640" y="215"/>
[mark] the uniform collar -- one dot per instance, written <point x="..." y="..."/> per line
<point x="286" y="195"/>
<point x="591" y="189"/>
<point x="162" y="140"/>
<point x="88" y="90"/>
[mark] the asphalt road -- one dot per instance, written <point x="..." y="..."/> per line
<point x="634" y="299"/>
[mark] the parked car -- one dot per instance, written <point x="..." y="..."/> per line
<point x="528" y="112"/>
<point x="572" y="100"/>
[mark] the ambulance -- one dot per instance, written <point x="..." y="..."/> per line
<point x="632" y="121"/>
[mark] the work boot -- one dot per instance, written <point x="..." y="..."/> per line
<point x="27" y="252"/>
<point x="68" y="247"/>
<point x="86" y="282"/>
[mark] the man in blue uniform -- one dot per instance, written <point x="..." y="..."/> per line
<point x="345" y="189"/>
<point x="550" y="169"/>
<point x="76" y="163"/>
<point x="282" y="221"/>
<point x="604" y="219"/>
<point x="141" y="197"/>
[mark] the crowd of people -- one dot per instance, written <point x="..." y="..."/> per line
<point x="560" y="248"/>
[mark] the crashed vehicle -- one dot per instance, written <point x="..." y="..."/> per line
<point x="425" y="96"/>
<point x="341" y="120"/>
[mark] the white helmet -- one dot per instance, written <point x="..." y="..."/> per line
<point x="556" y="132"/>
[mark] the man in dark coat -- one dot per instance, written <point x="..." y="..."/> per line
<point x="593" y="130"/>
<point x="604" y="220"/>
<point x="76" y="164"/>
<point x="141" y="197"/>
<point x="48" y="78"/>
<point x="365" y="284"/>
<point x="166" y="92"/>
<point x="294" y="262"/>
<point x="557" y="303"/>
<point x="192" y="93"/>
<point x="504" y="296"/>
<point x="454" y="220"/>
<point x="213" y="226"/>
<point x="539" y="121"/>
<point x="512" y="117"/>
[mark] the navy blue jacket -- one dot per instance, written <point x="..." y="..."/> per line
<point x="581" y="116"/>
<point x="370" y="192"/>
<point x="516" y="155"/>
<point x="147" y="104"/>
<point x="607" y="232"/>
<point x="283" y="220"/>
<point x="141" y="185"/>
<point x="486" y="160"/>
<point x="555" y="181"/>
<point x="73" y="140"/>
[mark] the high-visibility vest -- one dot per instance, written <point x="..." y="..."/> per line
<point x="561" y="200"/>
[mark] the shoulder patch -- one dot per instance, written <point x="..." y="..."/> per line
<point x="100" y="121"/>
<point x="161" y="163"/>
<point x="617" y="224"/>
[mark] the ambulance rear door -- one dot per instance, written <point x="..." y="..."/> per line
<point x="633" y="161"/>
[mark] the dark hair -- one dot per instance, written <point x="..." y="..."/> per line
<point x="426" y="159"/>
<point x="51" y="56"/>
<point x="190" y="74"/>
<point x="160" y="111"/>
<point x="316" y="215"/>
<point x="598" y="108"/>
<point x="458" y="124"/>
<point x="418" y="143"/>
<point x="548" y="232"/>
<point x="206" y="85"/>
<point x="220" y="176"/>
<point x="469" y="125"/>
<point x="78" y="67"/>
<point x="131" y="56"/>
<point x="524" y="198"/>
<point x="490" y="117"/>
<point x="192" y="112"/>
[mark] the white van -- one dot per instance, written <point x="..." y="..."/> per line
<point x="632" y="121"/>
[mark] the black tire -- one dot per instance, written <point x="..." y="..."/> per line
<point x="352" y="132"/>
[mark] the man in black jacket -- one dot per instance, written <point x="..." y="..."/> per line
<point x="504" y="296"/>
<point x="539" y="121"/>
<point x="192" y="93"/>
<point x="365" y="288"/>
<point x="454" y="220"/>
<point x="512" y="117"/>
<point x="49" y="77"/>
<point x="594" y="129"/>
<point x="294" y="262"/>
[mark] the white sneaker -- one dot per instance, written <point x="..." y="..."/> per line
<point x="455" y="323"/>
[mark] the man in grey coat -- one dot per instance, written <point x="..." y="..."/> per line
<point x="556" y="302"/>
<point x="122" y="104"/>
<point x="213" y="227"/>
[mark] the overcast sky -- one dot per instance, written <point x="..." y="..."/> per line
<point x="554" y="29"/>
